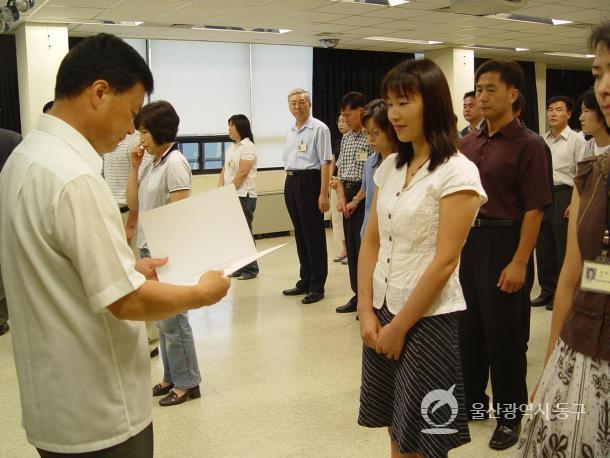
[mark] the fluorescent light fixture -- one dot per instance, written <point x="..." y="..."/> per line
<point x="529" y="19"/>
<point x="375" y="2"/>
<point x="224" y="28"/>
<point x="569" y="54"/>
<point x="494" y="48"/>
<point x="405" y="40"/>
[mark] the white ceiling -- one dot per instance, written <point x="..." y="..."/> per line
<point x="311" y="20"/>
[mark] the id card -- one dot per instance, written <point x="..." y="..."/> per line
<point x="361" y="156"/>
<point x="231" y="164"/>
<point x="595" y="277"/>
<point x="302" y="147"/>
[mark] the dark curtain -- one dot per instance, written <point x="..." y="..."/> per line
<point x="338" y="71"/>
<point x="529" y="113"/>
<point x="570" y="83"/>
<point x="9" y="89"/>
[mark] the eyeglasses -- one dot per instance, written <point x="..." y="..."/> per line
<point x="372" y="134"/>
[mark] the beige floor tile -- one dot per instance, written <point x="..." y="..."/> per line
<point x="279" y="378"/>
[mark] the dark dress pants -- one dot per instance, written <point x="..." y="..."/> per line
<point x="495" y="327"/>
<point x="351" y="229"/>
<point x="301" y="192"/>
<point x="139" y="446"/>
<point x="248" y="205"/>
<point x="546" y="260"/>
<point x="562" y="196"/>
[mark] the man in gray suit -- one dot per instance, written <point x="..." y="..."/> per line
<point x="8" y="141"/>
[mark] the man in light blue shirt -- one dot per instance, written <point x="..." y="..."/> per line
<point x="306" y="160"/>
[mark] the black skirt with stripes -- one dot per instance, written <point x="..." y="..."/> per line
<point x="420" y="396"/>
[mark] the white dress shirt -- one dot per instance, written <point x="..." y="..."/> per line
<point x="245" y="150"/>
<point x="408" y="226"/>
<point x="84" y="375"/>
<point x="567" y="151"/>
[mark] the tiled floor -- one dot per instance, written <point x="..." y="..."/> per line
<point x="279" y="378"/>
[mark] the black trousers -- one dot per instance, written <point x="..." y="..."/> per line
<point x="546" y="259"/>
<point x="562" y="195"/>
<point x="495" y="327"/>
<point x="351" y="229"/>
<point x="248" y="205"/>
<point x="301" y="192"/>
<point x="139" y="446"/>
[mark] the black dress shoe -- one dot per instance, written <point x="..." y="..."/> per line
<point x="154" y="352"/>
<point x="541" y="301"/>
<point x="312" y="297"/>
<point x="173" y="399"/>
<point x="347" y="308"/>
<point x="4" y="329"/>
<point x="296" y="291"/>
<point x="549" y="306"/>
<point x="160" y="390"/>
<point x="504" y="437"/>
<point x="235" y="274"/>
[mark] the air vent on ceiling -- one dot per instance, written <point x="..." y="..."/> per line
<point x="485" y="7"/>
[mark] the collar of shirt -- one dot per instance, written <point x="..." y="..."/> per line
<point x="308" y="124"/>
<point x="61" y="129"/>
<point x="565" y="133"/>
<point x="510" y="130"/>
<point x="172" y="147"/>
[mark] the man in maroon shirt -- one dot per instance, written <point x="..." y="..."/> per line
<point x="493" y="335"/>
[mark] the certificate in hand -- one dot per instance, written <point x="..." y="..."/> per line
<point x="203" y="232"/>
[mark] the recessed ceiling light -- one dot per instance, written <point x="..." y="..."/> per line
<point x="569" y="54"/>
<point x="529" y="19"/>
<point x="223" y="28"/>
<point x="495" y="48"/>
<point x="375" y="2"/>
<point x="405" y="40"/>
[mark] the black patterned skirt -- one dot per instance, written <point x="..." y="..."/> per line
<point x="420" y="396"/>
<point x="570" y="415"/>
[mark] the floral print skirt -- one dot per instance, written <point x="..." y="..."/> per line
<point x="570" y="415"/>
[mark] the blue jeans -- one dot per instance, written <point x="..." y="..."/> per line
<point x="177" y="346"/>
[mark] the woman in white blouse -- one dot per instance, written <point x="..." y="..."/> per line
<point x="240" y="169"/>
<point x="409" y="295"/>
<point x="593" y="123"/>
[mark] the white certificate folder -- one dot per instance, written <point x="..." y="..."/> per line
<point x="203" y="232"/>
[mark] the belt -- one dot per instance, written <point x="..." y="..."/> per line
<point x="482" y="222"/>
<point x="303" y="172"/>
<point x="561" y="187"/>
<point x="352" y="184"/>
<point x="123" y="208"/>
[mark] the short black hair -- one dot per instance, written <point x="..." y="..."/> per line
<point x="242" y="125"/>
<point x="510" y="72"/>
<point x="424" y="77"/>
<point x="600" y="34"/>
<point x="469" y="94"/>
<point x="160" y="119"/>
<point x="102" y="57"/>
<point x="588" y="100"/>
<point x="47" y="106"/>
<point x="569" y="103"/>
<point x="352" y="100"/>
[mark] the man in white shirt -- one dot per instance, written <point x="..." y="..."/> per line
<point x="566" y="148"/>
<point x="71" y="281"/>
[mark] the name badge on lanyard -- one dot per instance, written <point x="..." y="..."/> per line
<point x="596" y="274"/>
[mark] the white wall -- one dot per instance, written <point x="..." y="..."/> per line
<point x="209" y="82"/>
<point x="205" y="82"/>
<point x="276" y="70"/>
